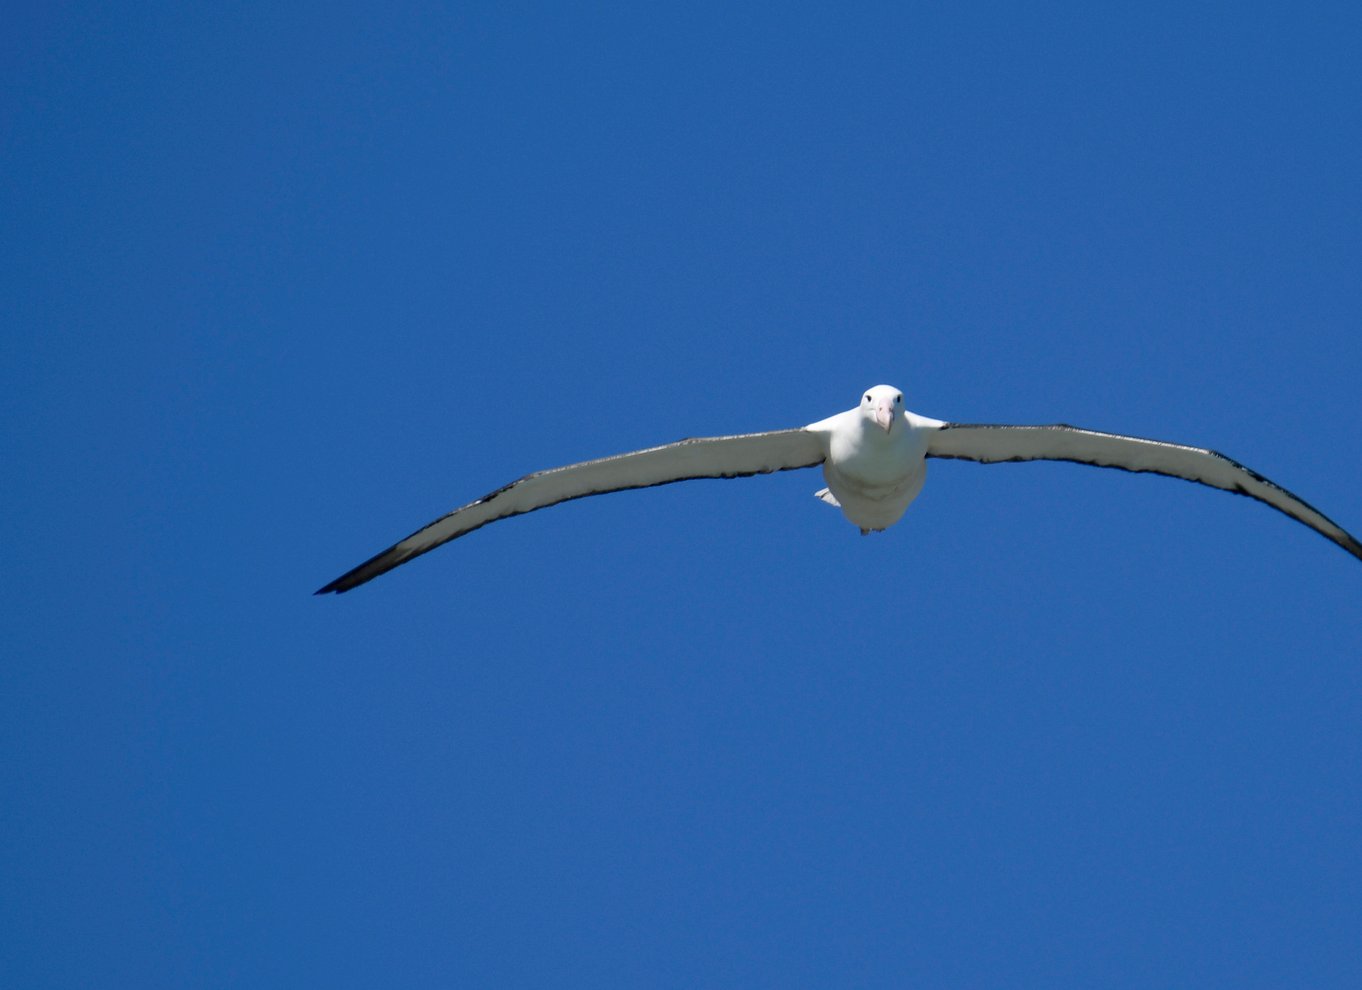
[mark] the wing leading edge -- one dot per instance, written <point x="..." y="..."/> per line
<point x="686" y="460"/>
<point x="990" y="444"/>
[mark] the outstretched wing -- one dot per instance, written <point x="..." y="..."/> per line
<point x="704" y="457"/>
<point x="990" y="444"/>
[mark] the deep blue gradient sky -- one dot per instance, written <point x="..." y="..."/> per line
<point x="281" y="285"/>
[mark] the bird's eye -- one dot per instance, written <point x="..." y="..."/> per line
<point x="867" y="397"/>
<point x="899" y="397"/>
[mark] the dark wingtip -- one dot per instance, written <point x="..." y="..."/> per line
<point x="375" y="566"/>
<point x="353" y="578"/>
<point x="348" y="581"/>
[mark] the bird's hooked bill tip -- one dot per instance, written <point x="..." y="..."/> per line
<point x="884" y="416"/>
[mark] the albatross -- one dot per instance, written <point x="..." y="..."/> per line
<point x="874" y="460"/>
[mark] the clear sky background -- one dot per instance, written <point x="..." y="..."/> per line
<point x="283" y="283"/>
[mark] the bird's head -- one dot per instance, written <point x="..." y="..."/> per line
<point x="882" y="404"/>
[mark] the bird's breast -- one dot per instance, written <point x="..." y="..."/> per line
<point x="875" y="478"/>
<point x="875" y="459"/>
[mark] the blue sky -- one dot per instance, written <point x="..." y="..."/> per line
<point x="282" y="284"/>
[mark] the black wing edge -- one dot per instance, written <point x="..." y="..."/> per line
<point x="1345" y="540"/>
<point x="384" y="561"/>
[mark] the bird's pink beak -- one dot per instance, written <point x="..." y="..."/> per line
<point x="884" y="414"/>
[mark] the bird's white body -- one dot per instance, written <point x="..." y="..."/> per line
<point x="876" y="464"/>
<point x="874" y="459"/>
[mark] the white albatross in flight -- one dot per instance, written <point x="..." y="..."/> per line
<point x="874" y="461"/>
